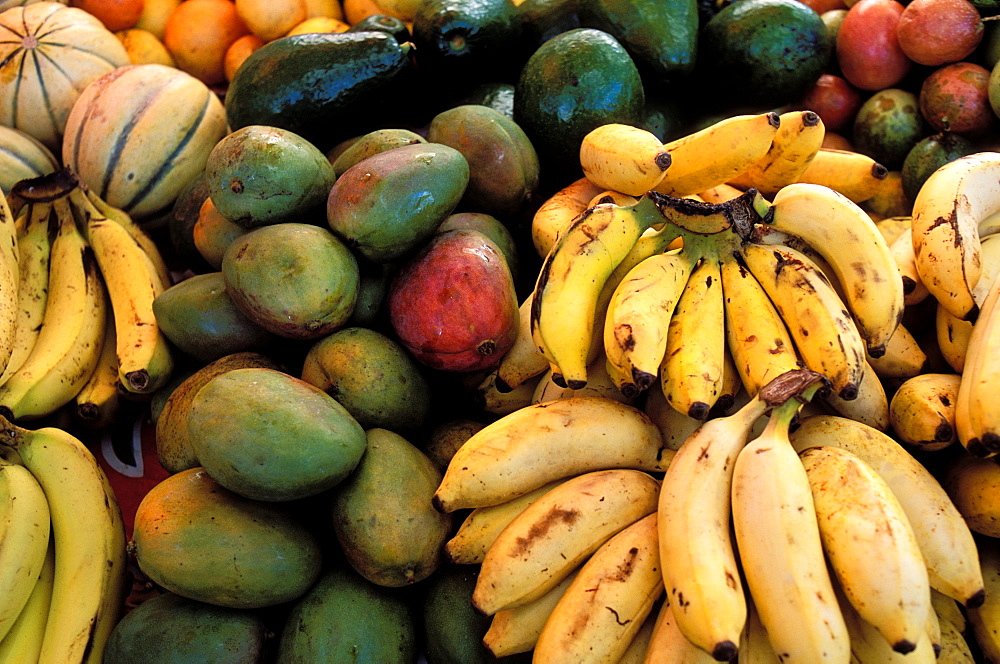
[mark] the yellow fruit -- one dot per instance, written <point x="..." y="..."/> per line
<point x="144" y="47"/>
<point x="271" y="19"/>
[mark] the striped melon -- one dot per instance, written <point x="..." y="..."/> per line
<point x="22" y="156"/>
<point x="48" y="53"/>
<point x="140" y="133"/>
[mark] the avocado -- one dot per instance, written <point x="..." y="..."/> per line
<point x="465" y="37"/>
<point x="391" y="25"/>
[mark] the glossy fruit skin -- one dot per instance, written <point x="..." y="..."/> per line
<point x="868" y="51"/>
<point x="835" y="100"/>
<point x="936" y="32"/>
<point x="955" y="98"/>
<point x="888" y="125"/>
<point x="929" y="154"/>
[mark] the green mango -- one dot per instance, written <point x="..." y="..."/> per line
<point x="388" y="204"/>
<point x="270" y="436"/>
<point x="345" y="618"/>
<point x="194" y="537"/>
<point x="382" y="514"/>
<point x="453" y="629"/>
<point x="372" y="143"/>
<point x="171" y="629"/>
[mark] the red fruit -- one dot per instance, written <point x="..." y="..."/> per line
<point x="868" y="51"/>
<point x="936" y="32"/>
<point x="835" y="100"/>
<point x="453" y="305"/>
<point x="955" y="98"/>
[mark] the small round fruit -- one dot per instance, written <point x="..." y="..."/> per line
<point x="928" y="155"/>
<point x="993" y="89"/>
<point x="887" y="125"/>
<point x="114" y="14"/>
<point x="936" y="32"/>
<point x="955" y="98"/>
<point x="868" y="51"/>
<point x="835" y="101"/>
<point x="198" y="33"/>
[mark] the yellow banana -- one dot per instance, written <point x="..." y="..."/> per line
<point x="145" y="359"/>
<point x="718" y="153"/>
<point x="846" y="237"/>
<point x="69" y="344"/>
<point x="557" y="532"/>
<point x="903" y="358"/>
<point x="599" y="384"/>
<point x="607" y="603"/>
<point x="516" y="630"/>
<point x="977" y="421"/>
<point x="496" y="402"/>
<point x="571" y="278"/>
<point x="668" y="645"/>
<point x="639" y="646"/>
<point x="693" y="371"/>
<point x="948" y="610"/>
<point x="892" y="227"/>
<point x="973" y="485"/>
<point x="945" y="539"/>
<point x="824" y="332"/>
<point x="635" y="326"/>
<point x="24" y="539"/>
<point x="9" y="277"/>
<point x="870" y="545"/>
<point x="922" y="410"/>
<point x="914" y="289"/>
<point x="623" y="158"/>
<point x="720" y="193"/>
<point x="798" y="139"/>
<point x="89" y="536"/>
<point x="755" y="646"/>
<point x="985" y="619"/>
<point x="23" y="642"/>
<point x="781" y="552"/>
<point x="757" y="337"/>
<point x="855" y="175"/>
<point x="523" y="359"/>
<point x="611" y="196"/>
<point x="99" y="400"/>
<point x="674" y="426"/>
<point x="558" y="211"/>
<point x="868" y="644"/>
<point x="870" y="406"/>
<point x="540" y="443"/>
<point x="946" y="215"/>
<point x="480" y="528"/>
<point x="954" y="646"/>
<point x="34" y="245"/>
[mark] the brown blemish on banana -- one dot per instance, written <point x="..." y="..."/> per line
<point x="540" y="528"/>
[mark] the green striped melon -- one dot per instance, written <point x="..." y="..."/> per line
<point x="22" y="156"/>
<point x="139" y="134"/>
<point x="48" y="53"/>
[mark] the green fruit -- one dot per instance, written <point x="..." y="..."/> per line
<point x="457" y="38"/>
<point x="260" y="175"/>
<point x="445" y="439"/>
<point x="571" y="84"/>
<point x="270" y="436"/>
<point x="498" y="95"/>
<point x="387" y="204"/>
<point x="489" y="226"/>
<point x="200" y="319"/>
<point x="345" y="618"/>
<point x="372" y="143"/>
<point x="383" y="517"/>
<point x="297" y="281"/>
<point x="928" y="155"/>
<point x="766" y="52"/>
<point x="453" y="629"/>
<point x="171" y="629"/>
<point x="371" y="376"/>
<point x="196" y="538"/>
<point x="372" y="292"/>
<point x="887" y="126"/>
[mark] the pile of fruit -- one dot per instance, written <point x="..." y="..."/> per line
<point x="489" y="330"/>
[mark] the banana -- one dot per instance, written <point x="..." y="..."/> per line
<point x="635" y="326"/>
<point x="145" y="359"/>
<point x="24" y="639"/>
<point x="700" y="572"/>
<point x="557" y="212"/>
<point x="522" y="360"/>
<point x="757" y="337"/>
<point x="914" y="289"/>
<point x="720" y="193"/>
<point x="34" y="245"/>
<point x="479" y="529"/>
<point x="755" y="646"/>
<point x="69" y="344"/>
<point x="9" y="278"/>
<point x="869" y="645"/>
<point x="607" y="603"/>
<point x="516" y="630"/>
<point x="639" y="647"/>
<point x="855" y="175"/>
<point x="717" y="153"/>
<point x="985" y="619"/>
<point x="870" y="545"/>
<point x="977" y="421"/>
<point x="903" y="358"/>
<point x="972" y="484"/>
<point x="946" y="215"/>
<point x="870" y="406"/>
<point x="492" y="400"/>
<point x="798" y="139"/>
<point x="780" y="547"/>
<point x="599" y="384"/>
<point x="90" y="558"/>
<point x="540" y="443"/>
<point x="557" y="532"/>
<point x="954" y="647"/>
<point x="99" y="400"/>
<point x="623" y="158"/>
<point x="674" y="426"/>
<point x="668" y="645"/>
<point x="693" y="371"/>
<point x="24" y="522"/>
<point x="846" y="237"/>
<point x="892" y="227"/>
<point x="948" y="610"/>
<point x="823" y="330"/>
<point x="922" y="410"/>
<point x="612" y="196"/>
<point x="571" y="278"/>
<point x="945" y="540"/>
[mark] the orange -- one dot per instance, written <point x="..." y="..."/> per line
<point x="114" y="14"/>
<point x="198" y="34"/>
<point x="144" y="47"/>
<point x="329" y="8"/>
<point x="155" y="14"/>
<point x="270" y="19"/>
<point x="355" y="10"/>
<point x="239" y="51"/>
<point x="319" y="24"/>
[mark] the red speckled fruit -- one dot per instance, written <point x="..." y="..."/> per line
<point x="453" y="304"/>
<point x="936" y="32"/>
<point x="835" y="100"/>
<point x="955" y="98"/>
<point x="867" y="48"/>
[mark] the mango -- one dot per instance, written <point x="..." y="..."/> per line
<point x="388" y="204"/>
<point x="171" y="629"/>
<point x="453" y="629"/>
<point x="382" y="514"/>
<point x="344" y="618"/>
<point x="371" y="144"/>
<point x="298" y="281"/>
<point x="489" y="226"/>
<point x="453" y="304"/>
<point x="194" y="537"/>
<point x="270" y="436"/>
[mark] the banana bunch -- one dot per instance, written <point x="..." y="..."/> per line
<point x="63" y="576"/>
<point x="84" y="330"/>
